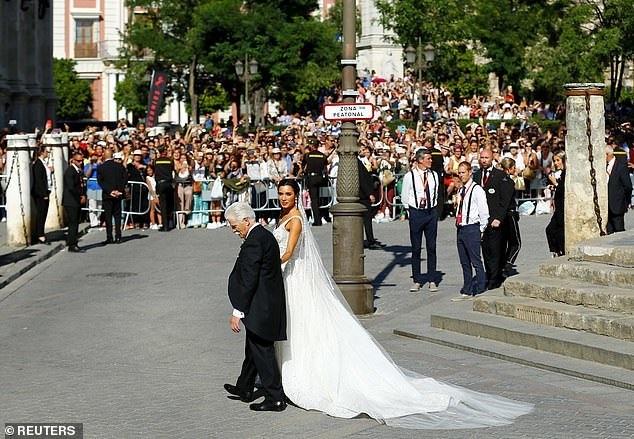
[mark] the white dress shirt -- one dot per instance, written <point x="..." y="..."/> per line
<point x="408" y="197"/>
<point x="474" y="206"/>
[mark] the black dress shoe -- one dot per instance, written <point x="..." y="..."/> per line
<point x="75" y="249"/>
<point x="107" y="241"/>
<point x="379" y="243"/>
<point x="375" y="246"/>
<point x="269" y="406"/>
<point x="245" y="395"/>
<point x="117" y="241"/>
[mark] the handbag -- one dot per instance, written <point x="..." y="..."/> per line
<point x="387" y="177"/>
<point x="216" y="190"/>
<point x="197" y="187"/>
<point x="520" y="184"/>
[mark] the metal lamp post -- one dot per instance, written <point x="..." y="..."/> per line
<point x="347" y="231"/>
<point x="246" y="75"/>
<point x="416" y="55"/>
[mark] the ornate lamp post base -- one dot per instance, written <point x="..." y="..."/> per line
<point x="348" y="257"/>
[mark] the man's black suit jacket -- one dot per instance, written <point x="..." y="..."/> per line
<point x="256" y="286"/>
<point x="73" y="188"/>
<point x="39" y="187"/>
<point x="111" y="176"/>
<point x="619" y="189"/>
<point x="499" y="193"/>
<point x="366" y="185"/>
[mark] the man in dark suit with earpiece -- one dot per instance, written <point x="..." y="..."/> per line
<point x="73" y="197"/>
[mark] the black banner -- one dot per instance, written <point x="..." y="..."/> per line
<point x="155" y="98"/>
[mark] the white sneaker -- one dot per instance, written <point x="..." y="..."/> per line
<point x="210" y="226"/>
<point x="415" y="288"/>
<point x="432" y="287"/>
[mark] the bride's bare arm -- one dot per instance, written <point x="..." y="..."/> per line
<point x="294" y="227"/>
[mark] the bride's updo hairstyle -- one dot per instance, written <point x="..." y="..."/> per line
<point x="292" y="183"/>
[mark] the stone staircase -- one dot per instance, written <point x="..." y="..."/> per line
<point x="580" y="306"/>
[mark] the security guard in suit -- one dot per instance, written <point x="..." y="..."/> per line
<point x="499" y="194"/>
<point x="164" y="175"/>
<point x="315" y="163"/>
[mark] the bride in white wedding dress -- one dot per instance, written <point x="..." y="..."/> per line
<point x="332" y="364"/>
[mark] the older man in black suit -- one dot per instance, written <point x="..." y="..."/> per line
<point x="256" y="292"/>
<point x="619" y="192"/>
<point x="72" y="199"/>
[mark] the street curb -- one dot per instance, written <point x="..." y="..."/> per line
<point x="14" y="274"/>
<point x="22" y="267"/>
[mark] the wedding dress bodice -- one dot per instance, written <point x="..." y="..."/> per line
<point x="281" y="235"/>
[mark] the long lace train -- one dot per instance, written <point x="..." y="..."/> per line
<point x="332" y="364"/>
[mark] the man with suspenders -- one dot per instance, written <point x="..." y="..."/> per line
<point x="472" y="217"/>
<point x="420" y="197"/>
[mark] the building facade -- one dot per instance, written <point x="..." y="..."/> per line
<point x="27" y="95"/>
<point x="90" y="32"/>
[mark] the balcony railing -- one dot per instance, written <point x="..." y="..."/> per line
<point x="105" y="50"/>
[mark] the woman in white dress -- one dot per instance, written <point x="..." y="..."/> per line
<point x="332" y="364"/>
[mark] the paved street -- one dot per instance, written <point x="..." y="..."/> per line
<point x="133" y="340"/>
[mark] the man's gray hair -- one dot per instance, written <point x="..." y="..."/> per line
<point x="240" y="211"/>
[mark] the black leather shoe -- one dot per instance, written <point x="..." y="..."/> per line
<point x="75" y="249"/>
<point x="117" y="241"/>
<point x="107" y="241"/>
<point x="379" y="243"/>
<point x="375" y="246"/>
<point x="245" y="396"/>
<point x="269" y="406"/>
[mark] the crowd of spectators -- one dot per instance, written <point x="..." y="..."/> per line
<point x="250" y="164"/>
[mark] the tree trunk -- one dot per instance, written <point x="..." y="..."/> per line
<point x="193" y="97"/>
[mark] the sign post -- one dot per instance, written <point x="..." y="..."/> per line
<point x="344" y="112"/>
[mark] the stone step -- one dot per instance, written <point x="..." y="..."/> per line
<point x="588" y="370"/>
<point x="616" y="249"/>
<point x="591" y="272"/>
<point x="571" y="292"/>
<point x="596" y="321"/>
<point x="574" y="344"/>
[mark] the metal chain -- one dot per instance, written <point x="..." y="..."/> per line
<point x="26" y="238"/>
<point x="13" y="162"/>
<point x="593" y="172"/>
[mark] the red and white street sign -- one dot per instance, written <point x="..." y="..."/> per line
<point x="348" y="111"/>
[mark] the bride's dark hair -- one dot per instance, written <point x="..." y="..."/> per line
<point x="292" y="183"/>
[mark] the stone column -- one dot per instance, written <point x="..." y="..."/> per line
<point x="55" y="216"/>
<point x="586" y="197"/>
<point x="18" y="196"/>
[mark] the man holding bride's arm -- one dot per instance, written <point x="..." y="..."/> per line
<point x="256" y="292"/>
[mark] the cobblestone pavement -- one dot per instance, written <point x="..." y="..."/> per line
<point x="133" y="340"/>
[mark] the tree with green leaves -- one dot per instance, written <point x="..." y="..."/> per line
<point x="74" y="96"/>
<point x="199" y="41"/>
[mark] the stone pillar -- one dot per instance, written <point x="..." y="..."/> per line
<point x="55" y="216"/>
<point x="18" y="196"/>
<point x="586" y="197"/>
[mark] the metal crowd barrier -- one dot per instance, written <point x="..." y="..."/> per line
<point x="137" y="203"/>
